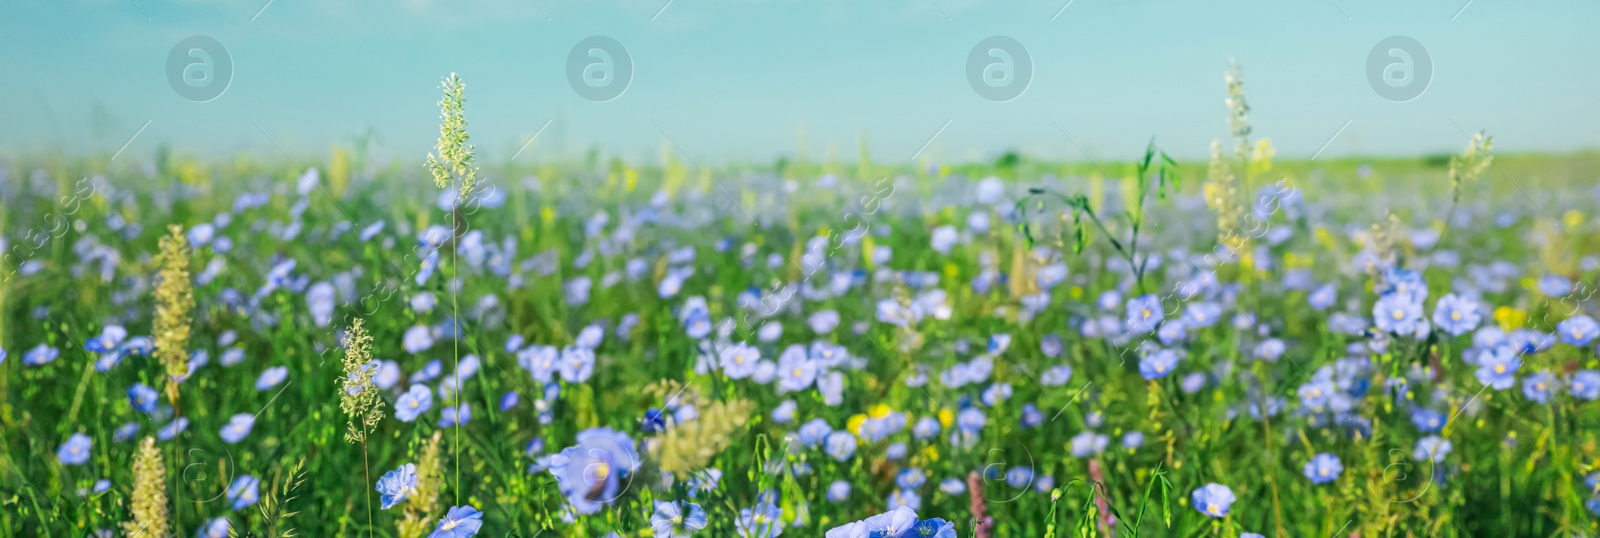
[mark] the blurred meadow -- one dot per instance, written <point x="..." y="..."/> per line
<point x="794" y="347"/>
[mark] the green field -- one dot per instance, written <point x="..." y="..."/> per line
<point x="797" y="346"/>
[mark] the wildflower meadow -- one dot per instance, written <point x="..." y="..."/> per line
<point x="446" y="346"/>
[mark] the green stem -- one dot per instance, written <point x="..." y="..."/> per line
<point x="455" y="341"/>
<point x="366" y="477"/>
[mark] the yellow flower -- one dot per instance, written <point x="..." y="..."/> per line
<point x="855" y="423"/>
<point x="1261" y="158"/>
<point x="879" y="411"/>
<point x="1510" y="318"/>
<point x="946" y="417"/>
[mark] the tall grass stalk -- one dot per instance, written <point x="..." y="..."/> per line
<point x="452" y="166"/>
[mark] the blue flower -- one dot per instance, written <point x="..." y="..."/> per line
<point x="669" y="521"/>
<point x="1427" y="420"/>
<point x="1399" y="314"/>
<point x="1088" y="443"/>
<point x="944" y="238"/>
<point x="590" y="337"/>
<point x="1157" y="365"/>
<point x="1431" y="448"/>
<point x="971" y="420"/>
<point x="1323" y="297"/>
<point x="896" y="523"/>
<point x="110" y="337"/>
<point x="230" y="357"/>
<point x="590" y="473"/>
<point x="428" y="266"/>
<point x="1032" y="417"/>
<point x="1404" y="282"/>
<point x="125" y="432"/>
<point x="1171" y="333"/>
<point x="272" y="377"/>
<point x="1586" y="385"/>
<point x="1192" y="383"/>
<point x="1455" y="314"/>
<point x="540" y="361"/>
<point x="1050" y="345"/>
<point x="459" y="414"/>
<point x="320" y="301"/>
<point x="1213" y="500"/>
<point x="1323" y="468"/>
<point x="1554" y="285"/>
<point x="770" y="331"/>
<point x="999" y="343"/>
<point x="672" y="283"/>
<point x="397" y="485"/>
<point x="144" y="398"/>
<point x="926" y="428"/>
<point x="75" y="451"/>
<point x="509" y="400"/>
<point x="423" y="302"/>
<point x="1529" y="341"/>
<point x="1201" y="315"/>
<point x="796" y="371"/>
<point x="706" y="480"/>
<point x="905" y="498"/>
<point x="740" y="361"/>
<point x="40" y="355"/>
<point x="1269" y="350"/>
<point x="172" y="429"/>
<point x="1539" y="387"/>
<point x="838" y="491"/>
<point x="1312" y="395"/>
<point x="814" y="431"/>
<point x="1578" y="330"/>
<point x="654" y="421"/>
<point x="910" y="478"/>
<point x="784" y="413"/>
<point x="1019" y="476"/>
<point x="372" y="230"/>
<point x="238" y="427"/>
<point x="1144" y="313"/>
<point x="417" y="339"/>
<point x="1133" y="441"/>
<point x="840" y="445"/>
<point x="697" y="324"/>
<point x="761" y="521"/>
<point x="459" y="522"/>
<point x="996" y="393"/>
<point x="215" y="528"/>
<point x="1055" y="376"/>
<point x="244" y="491"/>
<point x="823" y="321"/>
<point x="414" y="402"/>
<point x="1497" y="367"/>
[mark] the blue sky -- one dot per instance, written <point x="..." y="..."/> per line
<point x="742" y="80"/>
